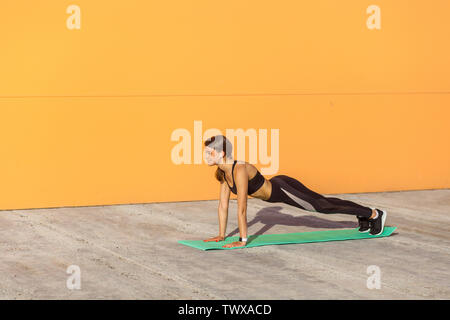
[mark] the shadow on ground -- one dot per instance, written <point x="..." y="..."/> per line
<point x="272" y="216"/>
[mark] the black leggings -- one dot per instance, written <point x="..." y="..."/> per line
<point x="291" y="191"/>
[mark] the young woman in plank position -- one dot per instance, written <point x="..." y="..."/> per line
<point x="247" y="180"/>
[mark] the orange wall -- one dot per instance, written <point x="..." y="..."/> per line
<point x="86" y="115"/>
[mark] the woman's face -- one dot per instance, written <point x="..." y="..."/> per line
<point x="212" y="157"/>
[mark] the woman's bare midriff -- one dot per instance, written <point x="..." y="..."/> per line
<point x="264" y="192"/>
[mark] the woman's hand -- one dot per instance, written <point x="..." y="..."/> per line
<point x="216" y="239"/>
<point x="235" y="244"/>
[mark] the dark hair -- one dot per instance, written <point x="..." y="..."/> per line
<point x="220" y="143"/>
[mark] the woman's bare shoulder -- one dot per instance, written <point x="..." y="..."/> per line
<point x="250" y="168"/>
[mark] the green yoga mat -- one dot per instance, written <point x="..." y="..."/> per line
<point x="286" y="238"/>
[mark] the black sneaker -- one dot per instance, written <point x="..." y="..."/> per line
<point x="377" y="225"/>
<point x="363" y="223"/>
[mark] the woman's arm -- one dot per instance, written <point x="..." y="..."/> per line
<point x="223" y="208"/>
<point x="224" y="200"/>
<point x="241" y="181"/>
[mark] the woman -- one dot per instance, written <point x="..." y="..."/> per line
<point x="247" y="180"/>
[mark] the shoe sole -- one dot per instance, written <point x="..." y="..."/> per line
<point x="383" y="220"/>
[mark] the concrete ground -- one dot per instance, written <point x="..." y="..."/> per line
<point x="131" y="252"/>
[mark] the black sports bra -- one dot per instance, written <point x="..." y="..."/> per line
<point x="253" y="184"/>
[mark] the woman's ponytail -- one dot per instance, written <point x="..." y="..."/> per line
<point x="220" y="175"/>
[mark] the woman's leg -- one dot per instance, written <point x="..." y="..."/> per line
<point x="291" y="191"/>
